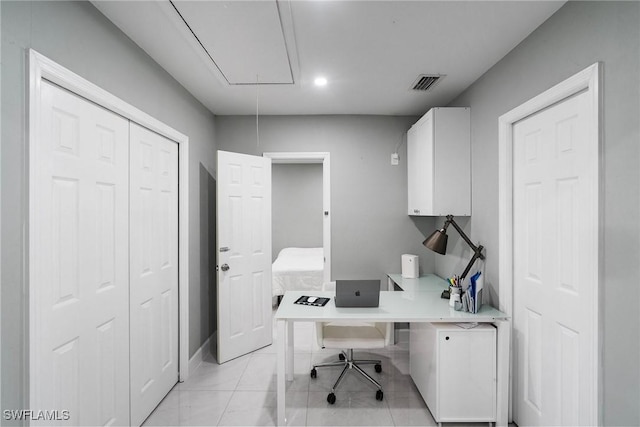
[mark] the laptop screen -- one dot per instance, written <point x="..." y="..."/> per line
<point x="357" y="293"/>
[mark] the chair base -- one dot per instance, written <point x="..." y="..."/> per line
<point x="349" y="363"/>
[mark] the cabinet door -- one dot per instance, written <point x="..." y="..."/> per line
<point x="420" y="166"/>
<point x="451" y="185"/>
<point x="412" y="165"/>
<point x="467" y="375"/>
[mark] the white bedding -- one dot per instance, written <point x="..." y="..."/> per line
<point x="298" y="269"/>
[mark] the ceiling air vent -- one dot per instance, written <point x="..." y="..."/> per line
<point x="424" y="82"/>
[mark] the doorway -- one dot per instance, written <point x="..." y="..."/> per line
<point x="296" y="204"/>
<point x="321" y="158"/>
<point x="549" y="260"/>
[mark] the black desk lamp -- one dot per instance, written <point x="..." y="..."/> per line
<point x="437" y="242"/>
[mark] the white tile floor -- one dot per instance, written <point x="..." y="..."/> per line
<point x="243" y="391"/>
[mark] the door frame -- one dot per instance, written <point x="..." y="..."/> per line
<point x="302" y="157"/>
<point x="42" y="68"/>
<point x="588" y="80"/>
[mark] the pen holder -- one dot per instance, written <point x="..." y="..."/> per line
<point x="455" y="297"/>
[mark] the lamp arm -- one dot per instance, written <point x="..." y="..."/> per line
<point x="477" y="250"/>
<point x="464" y="236"/>
<point x="476" y="255"/>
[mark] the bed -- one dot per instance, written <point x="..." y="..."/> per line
<point x="298" y="269"/>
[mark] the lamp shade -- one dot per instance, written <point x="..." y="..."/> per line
<point x="437" y="242"/>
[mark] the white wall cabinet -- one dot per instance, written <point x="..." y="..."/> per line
<point x="455" y="370"/>
<point x="439" y="163"/>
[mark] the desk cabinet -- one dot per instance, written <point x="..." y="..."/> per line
<point x="455" y="370"/>
<point x="439" y="163"/>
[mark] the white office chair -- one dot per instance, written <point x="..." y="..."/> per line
<point x="350" y="336"/>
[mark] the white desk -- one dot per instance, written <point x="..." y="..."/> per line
<point x="410" y="306"/>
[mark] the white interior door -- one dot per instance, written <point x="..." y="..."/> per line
<point x="244" y="254"/>
<point x="80" y="261"/>
<point x="154" y="270"/>
<point x="554" y="286"/>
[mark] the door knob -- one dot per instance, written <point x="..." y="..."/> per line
<point x="225" y="267"/>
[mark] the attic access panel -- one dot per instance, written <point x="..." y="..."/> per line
<point x="244" y="39"/>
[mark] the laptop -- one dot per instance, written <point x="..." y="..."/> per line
<point x="357" y="293"/>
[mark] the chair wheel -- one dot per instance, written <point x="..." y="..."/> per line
<point x="314" y="373"/>
<point x="378" y="368"/>
<point x="379" y="395"/>
<point x="341" y="356"/>
<point x="331" y="398"/>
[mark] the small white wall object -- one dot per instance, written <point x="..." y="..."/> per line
<point x="410" y="264"/>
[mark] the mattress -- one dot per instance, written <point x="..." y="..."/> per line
<point x="298" y="269"/>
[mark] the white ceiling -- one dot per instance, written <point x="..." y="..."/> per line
<point x="371" y="52"/>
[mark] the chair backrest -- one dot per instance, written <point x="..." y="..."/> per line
<point x="385" y="329"/>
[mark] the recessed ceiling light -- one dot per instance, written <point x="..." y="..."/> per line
<point x="320" y="81"/>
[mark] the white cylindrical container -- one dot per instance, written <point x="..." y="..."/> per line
<point x="410" y="266"/>
<point x="455" y="299"/>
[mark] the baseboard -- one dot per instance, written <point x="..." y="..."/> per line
<point x="196" y="360"/>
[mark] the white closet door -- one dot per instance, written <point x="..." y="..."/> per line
<point x="554" y="287"/>
<point x="79" y="261"/>
<point x="154" y="270"/>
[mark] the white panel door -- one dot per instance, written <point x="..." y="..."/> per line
<point x="79" y="262"/>
<point x="154" y="270"/>
<point x="244" y="254"/>
<point x="553" y="284"/>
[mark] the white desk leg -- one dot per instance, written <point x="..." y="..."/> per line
<point x="281" y="386"/>
<point x="290" y="350"/>
<point x="504" y="346"/>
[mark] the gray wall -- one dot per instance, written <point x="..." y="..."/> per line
<point x="296" y="206"/>
<point x="370" y="225"/>
<point x="578" y="35"/>
<point x="79" y="38"/>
